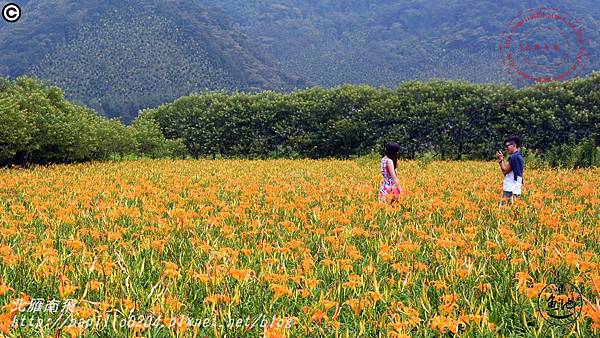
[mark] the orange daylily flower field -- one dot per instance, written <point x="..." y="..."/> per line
<point x="236" y="248"/>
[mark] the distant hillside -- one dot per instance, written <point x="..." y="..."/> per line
<point x="385" y="42"/>
<point x="120" y="56"/>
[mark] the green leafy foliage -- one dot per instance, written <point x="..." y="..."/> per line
<point x="448" y="119"/>
<point x="37" y="125"/>
<point x="149" y="139"/>
<point x="558" y="123"/>
<point x="16" y="132"/>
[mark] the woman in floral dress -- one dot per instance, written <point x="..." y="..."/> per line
<point x="390" y="189"/>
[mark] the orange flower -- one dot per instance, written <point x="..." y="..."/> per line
<point x="483" y="288"/>
<point x="281" y="290"/>
<point x="319" y="316"/>
<point x="312" y="283"/>
<point x="171" y="270"/>
<point x="4" y="289"/>
<point x="241" y="275"/>
<point x="357" y="305"/>
<point x="6" y="321"/>
<point x="95" y="285"/>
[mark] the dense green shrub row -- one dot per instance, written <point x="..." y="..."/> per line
<point x="37" y="125"/>
<point x="559" y="124"/>
<point x="455" y="120"/>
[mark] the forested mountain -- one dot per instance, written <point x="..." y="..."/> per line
<point x="384" y="42"/>
<point x="119" y="56"/>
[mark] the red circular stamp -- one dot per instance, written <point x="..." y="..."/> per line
<point x="544" y="45"/>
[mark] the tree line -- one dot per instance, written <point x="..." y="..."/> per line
<point x="38" y="126"/>
<point x="451" y="119"/>
<point x="558" y="123"/>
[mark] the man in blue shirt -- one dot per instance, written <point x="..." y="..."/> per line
<point x="513" y="170"/>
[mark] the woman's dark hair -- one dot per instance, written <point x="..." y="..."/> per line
<point x="391" y="151"/>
